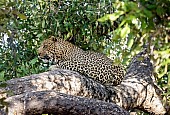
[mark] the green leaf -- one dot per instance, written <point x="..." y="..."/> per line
<point x="122" y="23"/>
<point x="22" y="16"/>
<point x="130" y="42"/>
<point x="33" y="61"/>
<point x="39" y="35"/>
<point x="125" y="31"/>
<point x="43" y="23"/>
<point x="2" y="2"/>
<point x="147" y="13"/>
<point x="131" y="6"/>
<point x="111" y="17"/>
<point x="2" y="73"/>
<point x="160" y="11"/>
<point x="15" y="12"/>
<point x="115" y="15"/>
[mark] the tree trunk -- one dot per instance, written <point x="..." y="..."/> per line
<point x="138" y="90"/>
<point x="52" y="102"/>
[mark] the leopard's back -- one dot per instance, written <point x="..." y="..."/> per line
<point x="96" y="66"/>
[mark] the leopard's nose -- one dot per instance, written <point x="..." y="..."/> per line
<point x="39" y="55"/>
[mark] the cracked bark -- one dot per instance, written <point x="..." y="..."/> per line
<point x="137" y="90"/>
<point x="52" y="102"/>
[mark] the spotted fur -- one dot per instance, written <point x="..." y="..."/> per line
<point x="91" y="64"/>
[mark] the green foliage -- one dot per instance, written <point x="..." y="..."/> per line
<point x="118" y="28"/>
<point x="111" y="17"/>
<point x="140" y="25"/>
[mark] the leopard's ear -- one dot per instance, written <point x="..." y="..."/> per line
<point x="53" y="38"/>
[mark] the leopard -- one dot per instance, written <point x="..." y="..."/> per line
<point x="94" y="65"/>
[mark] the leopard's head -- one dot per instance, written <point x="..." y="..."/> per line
<point x="54" y="49"/>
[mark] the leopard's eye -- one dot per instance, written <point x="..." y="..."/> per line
<point x="53" y="38"/>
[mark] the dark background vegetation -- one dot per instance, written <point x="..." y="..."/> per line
<point x="117" y="28"/>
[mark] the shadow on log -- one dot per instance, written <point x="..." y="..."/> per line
<point x="60" y="104"/>
<point x="138" y="90"/>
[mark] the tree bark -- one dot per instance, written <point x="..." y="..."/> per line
<point x="51" y="102"/>
<point x="137" y="90"/>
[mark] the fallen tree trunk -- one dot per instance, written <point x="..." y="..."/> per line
<point x="137" y="90"/>
<point x="34" y="103"/>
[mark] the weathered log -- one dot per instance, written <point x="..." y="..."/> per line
<point x="35" y="103"/>
<point x="137" y="90"/>
<point x="63" y="81"/>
